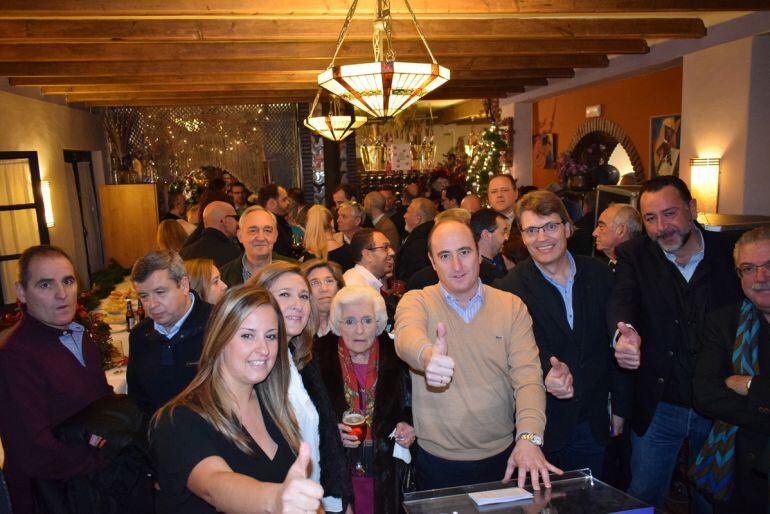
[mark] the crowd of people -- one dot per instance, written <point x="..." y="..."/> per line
<point x="476" y="344"/>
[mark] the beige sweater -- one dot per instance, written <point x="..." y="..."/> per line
<point x="497" y="373"/>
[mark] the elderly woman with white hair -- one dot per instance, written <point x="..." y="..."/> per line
<point x="361" y="371"/>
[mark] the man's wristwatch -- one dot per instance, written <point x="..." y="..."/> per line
<point x="532" y="438"/>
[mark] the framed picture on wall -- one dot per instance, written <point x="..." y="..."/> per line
<point x="665" y="138"/>
<point x="544" y="150"/>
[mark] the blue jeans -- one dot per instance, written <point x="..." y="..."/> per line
<point x="582" y="451"/>
<point x="654" y="454"/>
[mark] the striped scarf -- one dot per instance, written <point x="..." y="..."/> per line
<point x="714" y="467"/>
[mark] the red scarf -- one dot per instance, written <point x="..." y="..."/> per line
<point x="350" y="381"/>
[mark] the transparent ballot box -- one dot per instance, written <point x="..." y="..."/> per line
<point x="572" y="493"/>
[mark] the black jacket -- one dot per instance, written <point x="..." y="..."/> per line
<point x="232" y="272"/>
<point x="391" y="407"/>
<point x="335" y="477"/>
<point x="160" y="368"/>
<point x="427" y="276"/>
<point x="750" y="413"/>
<point x="212" y="244"/>
<point x="413" y="254"/>
<point x="585" y="348"/>
<point x="645" y="295"/>
<point x="283" y="243"/>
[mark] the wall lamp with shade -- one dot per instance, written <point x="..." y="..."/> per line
<point x="704" y="179"/>
<point x="45" y="187"/>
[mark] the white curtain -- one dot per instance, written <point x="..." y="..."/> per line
<point x="18" y="227"/>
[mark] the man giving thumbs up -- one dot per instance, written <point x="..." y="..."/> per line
<point x="476" y="376"/>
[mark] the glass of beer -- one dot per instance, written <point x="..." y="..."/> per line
<point x="355" y="419"/>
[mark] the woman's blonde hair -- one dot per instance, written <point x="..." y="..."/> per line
<point x="358" y="295"/>
<point x="317" y="230"/>
<point x="200" y="271"/>
<point x="171" y="235"/>
<point x="208" y="394"/>
<point x="302" y="343"/>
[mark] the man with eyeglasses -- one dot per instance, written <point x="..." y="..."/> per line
<point x="732" y="385"/>
<point x="373" y="256"/>
<point x="567" y="296"/>
<point x="220" y="224"/>
<point x="257" y="232"/>
<point x="667" y="284"/>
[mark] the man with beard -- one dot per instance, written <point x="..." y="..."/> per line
<point x="667" y="284"/>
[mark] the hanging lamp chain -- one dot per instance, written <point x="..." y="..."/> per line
<point x="343" y="32"/>
<point x="419" y="31"/>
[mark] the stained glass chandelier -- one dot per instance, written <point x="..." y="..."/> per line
<point x="385" y="87"/>
<point x="335" y="125"/>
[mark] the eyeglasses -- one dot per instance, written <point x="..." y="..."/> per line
<point x="366" y="321"/>
<point x="386" y="247"/>
<point x="327" y="282"/>
<point x="549" y="228"/>
<point x="750" y="270"/>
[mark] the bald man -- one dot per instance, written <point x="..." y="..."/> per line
<point x="220" y="224"/>
<point x="413" y="254"/>
<point x="471" y="203"/>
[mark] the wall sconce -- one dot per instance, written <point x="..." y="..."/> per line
<point x="704" y="178"/>
<point x="45" y="186"/>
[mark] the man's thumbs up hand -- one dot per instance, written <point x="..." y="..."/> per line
<point x="628" y="348"/>
<point x="558" y="381"/>
<point x="439" y="366"/>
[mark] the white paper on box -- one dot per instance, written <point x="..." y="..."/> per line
<point x="510" y="494"/>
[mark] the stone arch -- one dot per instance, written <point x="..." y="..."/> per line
<point x="616" y="131"/>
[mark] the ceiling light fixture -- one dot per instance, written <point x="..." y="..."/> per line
<point x="335" y="125"/>
<point x="385" y="87"/>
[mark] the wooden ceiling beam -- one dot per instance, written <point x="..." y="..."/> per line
<point x="289" y="95"/>
<point x="309" y="86"/>
<point x="405" y="50"/>
<point x="25" y="8"/>
<point x="74" y="69"/>
<point x="265" y="30"/>
<point x="262" y="78"/>
<point x="189" y="100"/>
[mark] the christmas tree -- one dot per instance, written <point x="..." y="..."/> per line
<point x="486" y="160"/>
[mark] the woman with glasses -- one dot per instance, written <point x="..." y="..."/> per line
<point x="226" y="443"/>
<point x="325" y="279"/>
<point x="364" y="376"/>
<point x="307" y="395"/>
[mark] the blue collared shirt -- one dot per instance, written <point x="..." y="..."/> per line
<point x="688" y="270"/>
<point x="564" y="290"/>
<point x="171" y="332"/>
<point x="72" y="339"/>
<point x="475" y="303"/>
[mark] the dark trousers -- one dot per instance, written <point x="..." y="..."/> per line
<point x="582" y="451"/>
<point x="431" y="472"/>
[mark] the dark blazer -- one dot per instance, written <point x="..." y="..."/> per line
<point x="391" y="407"/>
<point x="397" y="218"/>
<point x="232" y="272"/>
<point x="750" y="413"/>
<point x="335" y="477"/>
<point x="413" y="253"/>
<point x="645" y="296"/>
<point x="212" y="244"/>
<point x="584" y="348"/>
<point x="427" y="276"/>
<point x="283" y="243"/>
<point x="582" y="240"/>
<point x="160" y="368"/>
